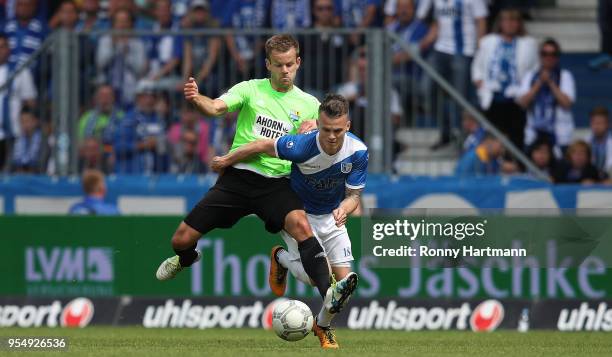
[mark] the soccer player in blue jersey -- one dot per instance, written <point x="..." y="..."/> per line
<point x="328" y="172"/>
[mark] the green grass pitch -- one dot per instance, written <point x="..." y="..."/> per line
<point x="138" y="341"/>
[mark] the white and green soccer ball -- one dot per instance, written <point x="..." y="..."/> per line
<point x="292" y="320"/>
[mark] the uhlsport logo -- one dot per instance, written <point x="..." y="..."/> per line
<point x="266" y="317"/>
<point x="77" y="313"/>
<point x="487" y="316"/>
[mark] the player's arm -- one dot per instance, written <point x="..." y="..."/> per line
<point x="261" y="146"/>
<point x="206" y="105"/>
<point x="348" y="205"/>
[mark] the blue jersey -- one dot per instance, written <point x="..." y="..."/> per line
<point x="320" y="179"/>
<point x="94" y="206"/>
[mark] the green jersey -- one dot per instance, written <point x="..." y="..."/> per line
<point x="267" y="113"/>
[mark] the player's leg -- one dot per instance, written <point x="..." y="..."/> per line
<point x="281" y="209"/>
<point x="218" y="209"/>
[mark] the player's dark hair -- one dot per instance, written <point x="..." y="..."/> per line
<point x="600" y="110"/>
<point x="334" y="106"/>
<point x="282" y="43"/>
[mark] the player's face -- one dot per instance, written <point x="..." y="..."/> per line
<point x="332" y="132"/>
<point x="283" y="67"/>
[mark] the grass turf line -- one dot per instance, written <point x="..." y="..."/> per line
<point x="138" y="341"/>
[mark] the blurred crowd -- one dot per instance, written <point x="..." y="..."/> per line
<point x="134" y="121"/>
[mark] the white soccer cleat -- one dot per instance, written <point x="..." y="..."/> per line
<point x="171" y="266"/>
<point x="339" y="293"/>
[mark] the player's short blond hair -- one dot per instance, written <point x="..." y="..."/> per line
<point x="282" y="43"/>
<point x="91" y="180"/>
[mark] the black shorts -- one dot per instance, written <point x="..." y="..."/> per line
<point x="238" y="193"/>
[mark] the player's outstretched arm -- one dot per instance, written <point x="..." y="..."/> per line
<point x="206" y="105"/>
<point x="261" y="146"/>
<point x="347" y="206"/>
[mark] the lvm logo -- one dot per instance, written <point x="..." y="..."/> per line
<point x="69" y="264"/>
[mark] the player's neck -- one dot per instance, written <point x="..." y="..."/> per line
<point x="330" y="151"/>
<point x="279" y="88"/>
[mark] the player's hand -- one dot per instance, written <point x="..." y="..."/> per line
<point x="307" y="125"/>
<point x="340" y="216"/>
<point x="218" y="164"/>
<point x="191" y="89"/>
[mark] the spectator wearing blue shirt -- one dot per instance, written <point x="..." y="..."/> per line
<point x="457" y="27"/>
<point x="245" y="15"/>
<point x="286" y="15"/>
<point x="411" y="31"/>
<point x="358" y="14"/>
<point x="19" y="93"/>
<point x="137" y="140"/>
<point x="164" y="52"/>
<point x="474" y="133"/>
<point x="27" y="149"/>
<point x="25" y="32"/>
<point x="600" y="139"/>
<point x="90" y="19"/>
<point x="93" y="203"/>
<point x="482" y="160"/>
<point x="121" y="59"/>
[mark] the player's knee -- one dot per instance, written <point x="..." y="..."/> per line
<point x="297" y="225"/>
<point x="184" y="237"/>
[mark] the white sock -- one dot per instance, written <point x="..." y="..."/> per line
<point x="294" y="266"/>
<point x="325" y="317"/>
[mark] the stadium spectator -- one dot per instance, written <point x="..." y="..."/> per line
<point x="93" y="122"/>
<point x="90" y="155"/>
<point x="137" y="140"/>
<point x="19" y="93"/>
<point x="358" y="13"/>
<point x="201" y="52"/>
<point x="28" y="145"/>
<point x="481" y="160"/>
<point x="93" y="203"/>
<point x="454" y="34"/>
<point x="412" y="31"/>
<point x="604" y="20"/>
<point x="121" y="59"/>
<point x="204" y="131"/>
<point x="325" y="50"/>
<point x="188" y="161"/>
<point x="25" y="33"/>
<point x="164" y="52"/>
<point x="600" y="139"/>
<point x="66" y="17"/>
<point x="541" y="154"/>
<point x="501" y="62"/>
<point x="90" y="16"/>
<point x="474" y="133"/>
<point x="286" y="15"/>
<point x="138" y="21"/>
<point x="548" y="94"/>
<point x="245" y="15"/>
<point x="355" y="92"/>
<point x="577" y="167"/>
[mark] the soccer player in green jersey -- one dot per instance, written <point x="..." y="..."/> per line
<point x="269" y="108"/>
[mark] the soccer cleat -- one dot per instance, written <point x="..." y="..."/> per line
<point x="171" y="266"/>
<point x="326" y="336"/>
<point x="339" y="293"/>
<point x="277" y="278"/>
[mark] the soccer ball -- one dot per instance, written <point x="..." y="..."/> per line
<point x="292" y="320"/>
